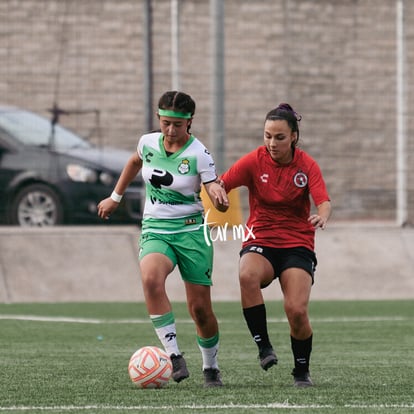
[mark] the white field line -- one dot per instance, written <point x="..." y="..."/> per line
<point x="274" y="405"/>
<point x="66" y="319"/>
<point x="37" y="318"/>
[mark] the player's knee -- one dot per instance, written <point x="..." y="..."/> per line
<point x="152" y="287"/>
<point x="296" y="314"/>
<point x="249" y="280"/>
<point x="200" y="315"/>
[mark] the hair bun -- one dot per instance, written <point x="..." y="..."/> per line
<point x="286" y="107"/>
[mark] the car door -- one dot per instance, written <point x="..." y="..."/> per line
<point x="7" y="172"/>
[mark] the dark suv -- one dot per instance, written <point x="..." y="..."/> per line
<point x="51" y="176"/>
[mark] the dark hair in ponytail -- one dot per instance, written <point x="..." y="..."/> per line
<point x="285" y="112"/>
<point x="177" y="101"/>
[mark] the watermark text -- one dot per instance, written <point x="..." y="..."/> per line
<point x="225" y="232"/>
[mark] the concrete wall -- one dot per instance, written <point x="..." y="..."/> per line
<point x="334" y="61"/>
<point x="74" y="264"/>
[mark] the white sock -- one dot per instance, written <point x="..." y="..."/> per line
<point x="209" y="356"/>
<point x="167" y="334"/>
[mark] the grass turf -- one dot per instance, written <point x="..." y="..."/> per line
<point x="62" y="358"/>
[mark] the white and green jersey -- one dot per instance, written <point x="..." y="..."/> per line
<point x="173" y="184"/>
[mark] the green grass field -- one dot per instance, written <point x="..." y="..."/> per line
<point x="72" y="358"/>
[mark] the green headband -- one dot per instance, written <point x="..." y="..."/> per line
<point x="174" y="114"/>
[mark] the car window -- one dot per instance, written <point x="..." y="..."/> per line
<point x="31" y="129"/>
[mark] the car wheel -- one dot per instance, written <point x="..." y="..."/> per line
<point x="36" y="205"/>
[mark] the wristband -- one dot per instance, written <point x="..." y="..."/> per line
<point x="116" y="197"/>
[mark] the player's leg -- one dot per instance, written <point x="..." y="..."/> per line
<point x="255" y="272"/>
<point x="195" y="261"/>
<point x="155" y="268"/>
<point x="201" y="310"/>
<point x="296" y="286"/>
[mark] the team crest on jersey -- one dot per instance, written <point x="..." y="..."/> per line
<point x="184" y="167"/>
<point x="300" y="179"/>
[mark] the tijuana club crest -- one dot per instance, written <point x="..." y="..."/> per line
<point x="300" y="179"/>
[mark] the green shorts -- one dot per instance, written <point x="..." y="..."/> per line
<point x="188" y="250"/>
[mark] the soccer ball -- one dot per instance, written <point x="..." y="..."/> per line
<point x="150" y="367"/>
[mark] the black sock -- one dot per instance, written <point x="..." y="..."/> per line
<point x="256" y="322"/>
<point x="301" y="353"/>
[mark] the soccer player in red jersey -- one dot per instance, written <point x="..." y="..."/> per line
<point x="281" y="179"/>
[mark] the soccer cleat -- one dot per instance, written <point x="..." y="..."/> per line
<point x="212" y="377"/>
<point x="302" y="380"/>
<point x="180" y="370"/>
<point x="267" y="358"/>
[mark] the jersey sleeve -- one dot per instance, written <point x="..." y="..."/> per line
<point x="317" y="186"/>
<point x="239" y="173"/>
<point x="206" y="166"/>
<point x="140" y="146"/>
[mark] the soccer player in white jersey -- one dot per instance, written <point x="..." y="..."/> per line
<point x="174" y="165"/>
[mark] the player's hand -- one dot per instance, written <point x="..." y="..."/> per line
<point x="220" y="182"/>
<point x="318" y="221"/>
<point x="106" y="207"/>
<point x="218" y="196"/>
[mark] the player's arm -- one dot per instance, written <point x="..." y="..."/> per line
<point x="321" y="217"/>
<point x="107" y="206"/>
<point x="218" y="195"/>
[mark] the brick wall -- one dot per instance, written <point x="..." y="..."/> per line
<point x="335" y="62"/>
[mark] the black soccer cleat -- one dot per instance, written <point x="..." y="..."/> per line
<point x="180" y="370"/>
<point x="302" y="380"/>
<point x="212" y="378"/>
<point x="267" y="358"/>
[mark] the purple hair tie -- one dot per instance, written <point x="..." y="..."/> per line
<point x="287" y="107"/>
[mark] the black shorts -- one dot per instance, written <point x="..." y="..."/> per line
<point x="282" y="259"/>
